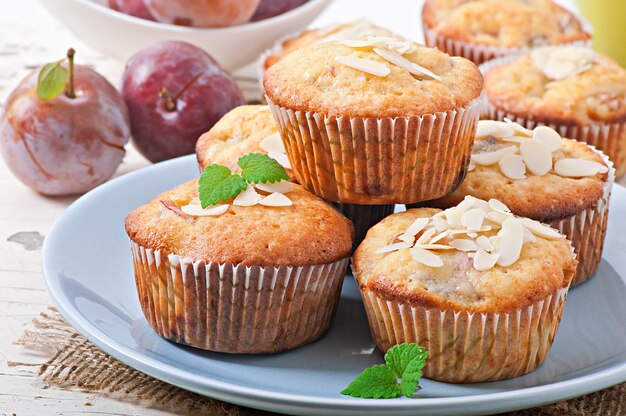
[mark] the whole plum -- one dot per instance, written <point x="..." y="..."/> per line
<point x="203" y="13"/>
<point x="271" y="8"/>
<point x="135" y="8"/>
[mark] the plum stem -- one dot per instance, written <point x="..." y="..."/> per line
<point x="69" y="91"/>
<point x="170" y="102"/>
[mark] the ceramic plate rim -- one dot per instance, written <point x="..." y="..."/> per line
<point x="262" y="399"/>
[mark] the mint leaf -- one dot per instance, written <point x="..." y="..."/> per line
<point x="51" y="80"/>
<point x="218" y="184"/>
<point x="260" y="168"/>
<point x="400" y="356"/>
<point x="376" y="382"/>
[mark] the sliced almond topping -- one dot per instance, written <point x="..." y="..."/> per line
<point x="514" y="139"/>
<point x="499" y="206"/>
<point x="471" y="166"/>
<point x="578" y="168"/>
<point x="426" y="236"/>
<point x="493" y="128"/>
<point x="467" y="203"/>
<point x="484" y="243"/>
<point x="276" y="200"/>
<point x="283" y="187"/>
<point x="198" y="211"/>
<point x="519" y="129"/>
<point x="440" y="224"/>
<point x="557" y="69"/>
<point x="366" y="65"/>
<point x="537" y="157"/>
<point x="435" y="247"/>
<point x="491" y="158"/>
<point x="281" y="158"/>
<point x="539" y="229"/>
<point x="473" y="219"/>
<point x="484" y="261"/>
<point x="247" y="198"/>
<point x="550" y="138"/>
<point x="439" y="237"/>
<point x="512" y="166"/>
<point x="528" y="236"/>
<point x="356" y="43"/>
<point x="510" y="242"/>
<point x="413" y="229"/>
<point x="272" y="143"/>
<point x="404" y="63"/>
<point x="472" y="234"/>
<point x="393" y="247"/>
<point x="464" y="244"/>
<point x="497" y="217"/>
<point x="454" y="216"/>
<point x="426" y="257"/>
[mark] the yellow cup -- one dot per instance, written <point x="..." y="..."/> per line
<point x="608" y="19"/>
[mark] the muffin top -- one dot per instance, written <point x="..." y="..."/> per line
<point x="561" y="84"/>
<point x="503" y="23"/>
<point x="572" y="180"/>
<point x="348" y="30"/>
<point x="245" y="129"/>
<point x="307" y="232"/>
<point x="432" y="258"/>
<point x="372" y="77"/>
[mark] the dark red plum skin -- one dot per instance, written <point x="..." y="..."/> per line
<point x="64" y="146"/>
<point x="136" y="8"/>
<point x="271" y="8"/>
<point x="202" y="13"/>
<point x="205" y="93"/>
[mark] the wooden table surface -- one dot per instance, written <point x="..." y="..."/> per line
<point x="29" y="37"/>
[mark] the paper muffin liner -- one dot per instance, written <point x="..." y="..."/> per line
<point x="234" y="308"/>
<point x="376" y="161"/>
<point x="480" y="53"/>
<point x="608" y="137"/>
<point x="363" y="217"/>
<point x="468" y="347"/>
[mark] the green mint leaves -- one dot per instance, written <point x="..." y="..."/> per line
<point x="404" y="363"/>
<point x="51" y="80"/>
<point x="219" y="184"/>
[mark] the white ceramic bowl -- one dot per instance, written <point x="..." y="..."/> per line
<point x="120" y="36"/>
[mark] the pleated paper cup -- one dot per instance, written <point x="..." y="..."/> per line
<point x="234" y="308"/>
<point x="587" y="229"/>
<point x="375" y="161"/>
<point x="363" y="217"/>
<point x="468" y="347"/>
<point x="480" y="53"/>
<point x="608" y="137"/>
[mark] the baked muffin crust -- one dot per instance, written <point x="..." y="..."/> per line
<point x="311" y="79"/>
<point x="309" y="232"/>
<point x="503" y="23"/>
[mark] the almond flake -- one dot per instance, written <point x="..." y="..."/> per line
<point x="491" y="158"/>
<point x="539" y="229"/>
<point x="464" y="244"/>
<point x="577" y="168"/>
<point x="366" y="65"/>
<point x="247" y="198"/>
<point x="497" y="129"/>
<point x="518" y="128"/>
<point x="537" y="157"/>
<point x="283" y="187"/>
<point x="356" y="43"/>
<point x="276" y="200"/>
<point x="454" y="215"/>
<point x="497" y="217"/>
<point x="440" y="224"/>
<point x="426" y="236"/>
<point x="404" y="63"/>
<point x="550" y="138"/>
<point x="499" y="206"/>
<point x="528" y="236"/>
<point x="467" y="203"/>
<point x="272" y="143"/>
<point x="426" y="257"/>
<point x="484" y="243"/>
<point x="392" y="247"/>
<point x="510" y="242"/>
<point x="473" y="219"/>
<point x="198" y="211"/>
<point x="514" y="139"/>
<point x="513" y="167"/>
<point x="281" y="158"/>
<point x="439" y="237"/>
<point x="484" y="261"/>
<point x="413" y="229"/>
<point x="435" y="247"/>
<point x="471" y="166"/>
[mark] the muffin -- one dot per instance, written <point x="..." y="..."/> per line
<point x="576" y="91"/>
<point x="239" y="279"/>
<point x="251" y="129"/>
<point x="571" y="193"/>
<point x="376" y="120"/>
<point x="481" y="30"/>
<point x="481" y="289"/>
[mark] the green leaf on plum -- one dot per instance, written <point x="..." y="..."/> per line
<point x="51" y="80"/>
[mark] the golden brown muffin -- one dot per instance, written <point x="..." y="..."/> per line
<point x="272" y="275"/>
<point x="483" y="29"/>
<point x="356" y="137"/>
<point x="575" y="205"/>
<point x="245" y="130"/>
<point x="484" y="314"/>
<point x="577" y="91"/>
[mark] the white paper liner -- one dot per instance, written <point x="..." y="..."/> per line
<point x="468" y="347"/>
<point x="274" y="50"/>
<point x="608" y="137"/>
<point x="378" y="161"/>
<point x="481" y="53"/>
<point x="236" y="308"/>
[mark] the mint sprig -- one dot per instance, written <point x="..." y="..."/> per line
<point x="399" y="376"/>
<point x="219" y="184"/>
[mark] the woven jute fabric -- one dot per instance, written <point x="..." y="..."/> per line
<point x="77" y="363"/>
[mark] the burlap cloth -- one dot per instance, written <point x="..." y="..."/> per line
<point x="78" y="363"/>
